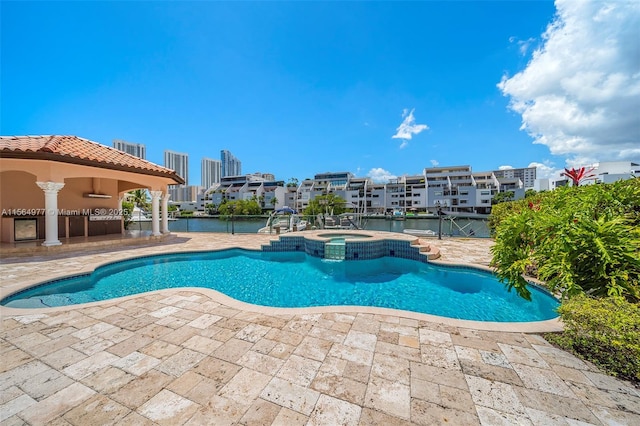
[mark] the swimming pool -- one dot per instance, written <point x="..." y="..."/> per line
<point x="295" y="279"/>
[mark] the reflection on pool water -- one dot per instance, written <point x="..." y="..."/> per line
<point x="294" y="279"/>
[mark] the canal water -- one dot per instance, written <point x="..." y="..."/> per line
<point x="450" y="227"/>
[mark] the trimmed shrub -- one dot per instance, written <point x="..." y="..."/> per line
<point x="603" y="331"/>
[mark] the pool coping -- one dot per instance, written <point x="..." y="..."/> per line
<point x="552" y="325"/>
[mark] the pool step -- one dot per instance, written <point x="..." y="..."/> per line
<point x="427" y="249"/>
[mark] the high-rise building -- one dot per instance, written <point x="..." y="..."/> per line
<point x="184" y="193"/>
<point x="135" y="149"/>
<point x="231" y="166"/>
<point x="211" y="171"/>
<point x="179" y="163"/>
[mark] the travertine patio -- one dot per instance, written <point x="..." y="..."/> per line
<point x="193" y="356"/>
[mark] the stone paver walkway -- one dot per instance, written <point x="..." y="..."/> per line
<point x="192" y="357"/>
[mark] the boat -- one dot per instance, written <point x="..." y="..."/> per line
<point x="421" y="232"/>
<point x="283" y="220"/>
<point x="139" y="215"/>
<point x="396" y="215"/>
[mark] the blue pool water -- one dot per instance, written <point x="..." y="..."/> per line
<point x="293" y="279"/>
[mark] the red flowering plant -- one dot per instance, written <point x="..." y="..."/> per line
<point x="578" y="175"/>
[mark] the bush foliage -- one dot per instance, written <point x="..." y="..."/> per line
<point x="240" y="208"/>
<point x="604" y="331"/>
<point x="579" y="240"/>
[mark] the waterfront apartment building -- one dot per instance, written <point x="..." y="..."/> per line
<point x="270" y="194"/>
<point x="321" y="184"/>
<point x="457" y="189"/>
<point x="527" y="175"/>
<point x="211" y="172"/>
<point x="231" y="166"/>
<point x="454" y="189"/>
<point x="178" y="162"/>
<point x="135" y="149"/>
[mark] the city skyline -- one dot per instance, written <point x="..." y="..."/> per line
<point x="210" y="170"/>
<point x="213" y="168"/>
<point x="379" y="89"/>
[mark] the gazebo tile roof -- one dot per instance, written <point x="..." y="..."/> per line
<point x="70" y="148"/>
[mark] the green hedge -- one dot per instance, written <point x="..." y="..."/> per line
<point x="604" y="331"/>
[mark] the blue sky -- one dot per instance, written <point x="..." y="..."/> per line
<point x="299" y="88"/>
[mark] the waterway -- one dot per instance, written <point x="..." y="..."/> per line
<point x="456" y="227"/>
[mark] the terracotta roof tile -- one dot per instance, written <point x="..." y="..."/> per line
<point x="68" y="148"/>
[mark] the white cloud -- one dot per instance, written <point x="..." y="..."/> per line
<point x="380" y="175"/>
<point x="580" y="93"/>
<point x="523" y="45"/>
<point x="505" y="167"/>
<point x="408" y="128"/>
<point x="435" y="163"/>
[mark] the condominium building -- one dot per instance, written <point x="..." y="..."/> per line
<point x="321" y="184"/>
<point x="454" y="189"/>
<point x="355" y="193"/>
<point x="179" y="163"/>
<point x="457" y="189"/>
<point x="232" y="188"/>
<point x="211" y="172"/>
<point x="527" y="175"/>
<point x="415" y="194"/>
<point x="394" y="192"/>
<point x="231" y="166"/>
<point x="135" y="149"/>
<point x="376" y="200"/>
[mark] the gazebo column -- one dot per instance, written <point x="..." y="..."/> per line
<point x="165" y="213"/>
<point x="51" y="190"/>
<point x="120" y="200"/>
<point x="155" y="212"/>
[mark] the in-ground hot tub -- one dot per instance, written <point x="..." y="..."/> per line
<point x="343" y="235"/>
<point x="356" y="244"/>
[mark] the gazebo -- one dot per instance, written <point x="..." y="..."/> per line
<point x="54" y="187"/>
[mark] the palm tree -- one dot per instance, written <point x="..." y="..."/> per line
<point x="140" y="198"/>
